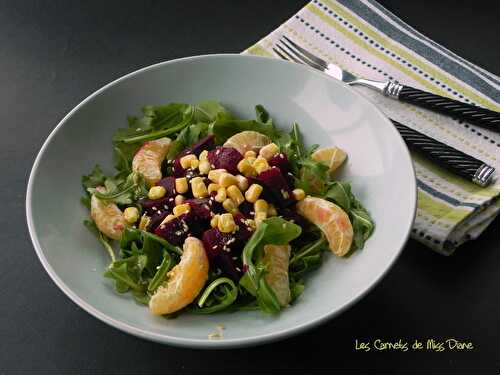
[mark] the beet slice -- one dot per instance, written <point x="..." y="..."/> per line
<point x="207" y="143"/>
<point x="155" y="219"/>
<point x="152" y="206"/>
<point x="175" y="231"/>
<point x="276" y="184"/>
<point x="244" y="231"/>
<point x="218" y="249"/>
<point x="281" y="161"/>
<point x="226" y="158"/>
<point x="292" y="215"/>
<point x="169" y="184"/>
<point x="200" y="208"/>
<point x="177" y="169"/>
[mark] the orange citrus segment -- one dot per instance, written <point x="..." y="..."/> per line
<point x="332" y="221"/>
<point x="147" y="161"/>
<point x="332" y="157"/>
<point x="185" y="280"/>
<point x="107" y="216"/>
<point x="247" y="140"/>
<point x="276" y="259"/>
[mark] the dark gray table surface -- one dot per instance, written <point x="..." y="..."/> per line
<point x="55" y="53"/>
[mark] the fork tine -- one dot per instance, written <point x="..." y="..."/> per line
<point x="308" y="54"/>
<point x="298" y="55"/>
<point x="280" y="51"/>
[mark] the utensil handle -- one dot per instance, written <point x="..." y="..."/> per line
<point x="446" y="156"/>
<point x="466" y="112"/>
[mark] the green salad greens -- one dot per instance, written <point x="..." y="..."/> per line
<point x="244" y="187"/>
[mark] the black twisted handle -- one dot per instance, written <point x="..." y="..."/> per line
<point x="469" y="113"/>
<point x="452" y="159"/>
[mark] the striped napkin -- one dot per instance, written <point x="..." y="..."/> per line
<point x="369" y="41"/>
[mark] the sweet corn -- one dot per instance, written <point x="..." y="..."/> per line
<point x="212" y="187"/>
<point x="221" y="195"/>
<point x="271" y="211"/>
<point x="181" y="209"/>
<point x="198" y="187"/>
<point x="204" y="167"/>
<point x="250" y="223"/>
<point x="260" y="165"/>
<point x="253" y="193"/>
<point x="188" y="161"/>
<point x="268" y="151"/>
<point x="299" y="194"/>
<point x="156" y="192"/>
<point x="242" y="182"/>
<point x="259" y="218"/>
<point x="245" y="167"/>
<point x="167" y="219"/>
<point x="131" y="215"/>
<point x="181" y="185"/>
<point x="227" y="179"/>
<point x="226" y="223"/>
<point x="215" y="221"/>
<point x="203" y="156"/>
<point x="235" y="194"/>
<point x="260" y="206"/>
<point x="250" y="154"/>
<point x="145" y="220"/>
<point x="214" y="174"/>
<point x="251" y="159"/>
<point x="229" y="205"/>
<point x="179" y="199"/>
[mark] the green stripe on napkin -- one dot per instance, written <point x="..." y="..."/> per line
<point x="366" y="39"/>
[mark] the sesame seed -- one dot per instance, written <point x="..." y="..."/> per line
<point x="162" y="226"/>
<point x="214" y="247"/>
<point x="154" y="208"/>
<point x="171" y="199"/>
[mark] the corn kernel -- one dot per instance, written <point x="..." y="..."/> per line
<point x="181" y="185"/>
<point x="260" y="206"/>
<point x="250" y="223"/>
<point x="198" y="187"/>
<point x="188" y="160"/>
<point x="226" y="223"/>
<point x="260" y="165"/>
<point x="253" y="193"/>
<point x="250" y="154"/>
<point x="203" y="156"/>
<point x="259" y="218"/>
<point x="212" y="187"/>
<point x="246" y="168"/>
<point x="251" y="159"/>
<point x="229" y="205"/>
<point x="204" y="167"/>
<point x="242" y="182"/>
<point x="215" y="221"/>
<point x="167" y="219"/>
<point x="227" y="179"/>
<point x="214" y="174"/>
<point x="221" y="195"/>
<point x="156" y="192"/>
<point x="131" y="215"/>
<point x="271" y="211"/>
<point x="235" y="194"/>
<point x="268" y="151"/>
<point x="145" y="220"/>
<point x="181" y="209"/>
<point x="179" y="199"/>
<point x="299" y="194"/>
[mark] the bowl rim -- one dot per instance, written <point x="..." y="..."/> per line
<point x="204" y="343"/>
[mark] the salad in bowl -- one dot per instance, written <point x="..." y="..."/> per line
<point x="207" y="212"/>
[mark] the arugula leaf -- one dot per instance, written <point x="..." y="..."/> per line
<point x="218" y="295"/>
<point x="187" y="137"/>
<point x="127" y="192"/>
<point x="275" y="231"/>
<point x="161" y="272"/>
<point x="94" y="179"/>
<point x="208" y="111"/>
<point x="362" y="223"/>
<point x="262" y="115"/>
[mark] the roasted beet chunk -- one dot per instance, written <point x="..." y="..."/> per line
<point x="177" y="169"/>
<point x="281" y="161"/>
<point x="226" y="158"/>
<point x="292" y="215"/>
<point x="246" y="208"/>
<point x="200" y="208"/>
<point x="175" y="231"/>
<point x="207" y="143"/>
<point x="152" y="206"/>
<point x="169" y="184"/>
<point x="156" y="218"/>
<point x="244" y="231"/>
<point x="275" y="183"/>
<point x="218" y="248"/>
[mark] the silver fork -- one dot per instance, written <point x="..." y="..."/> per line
<point x="446" y="156"/>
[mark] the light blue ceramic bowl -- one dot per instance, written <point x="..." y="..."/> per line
<point x="329" y="112"/>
